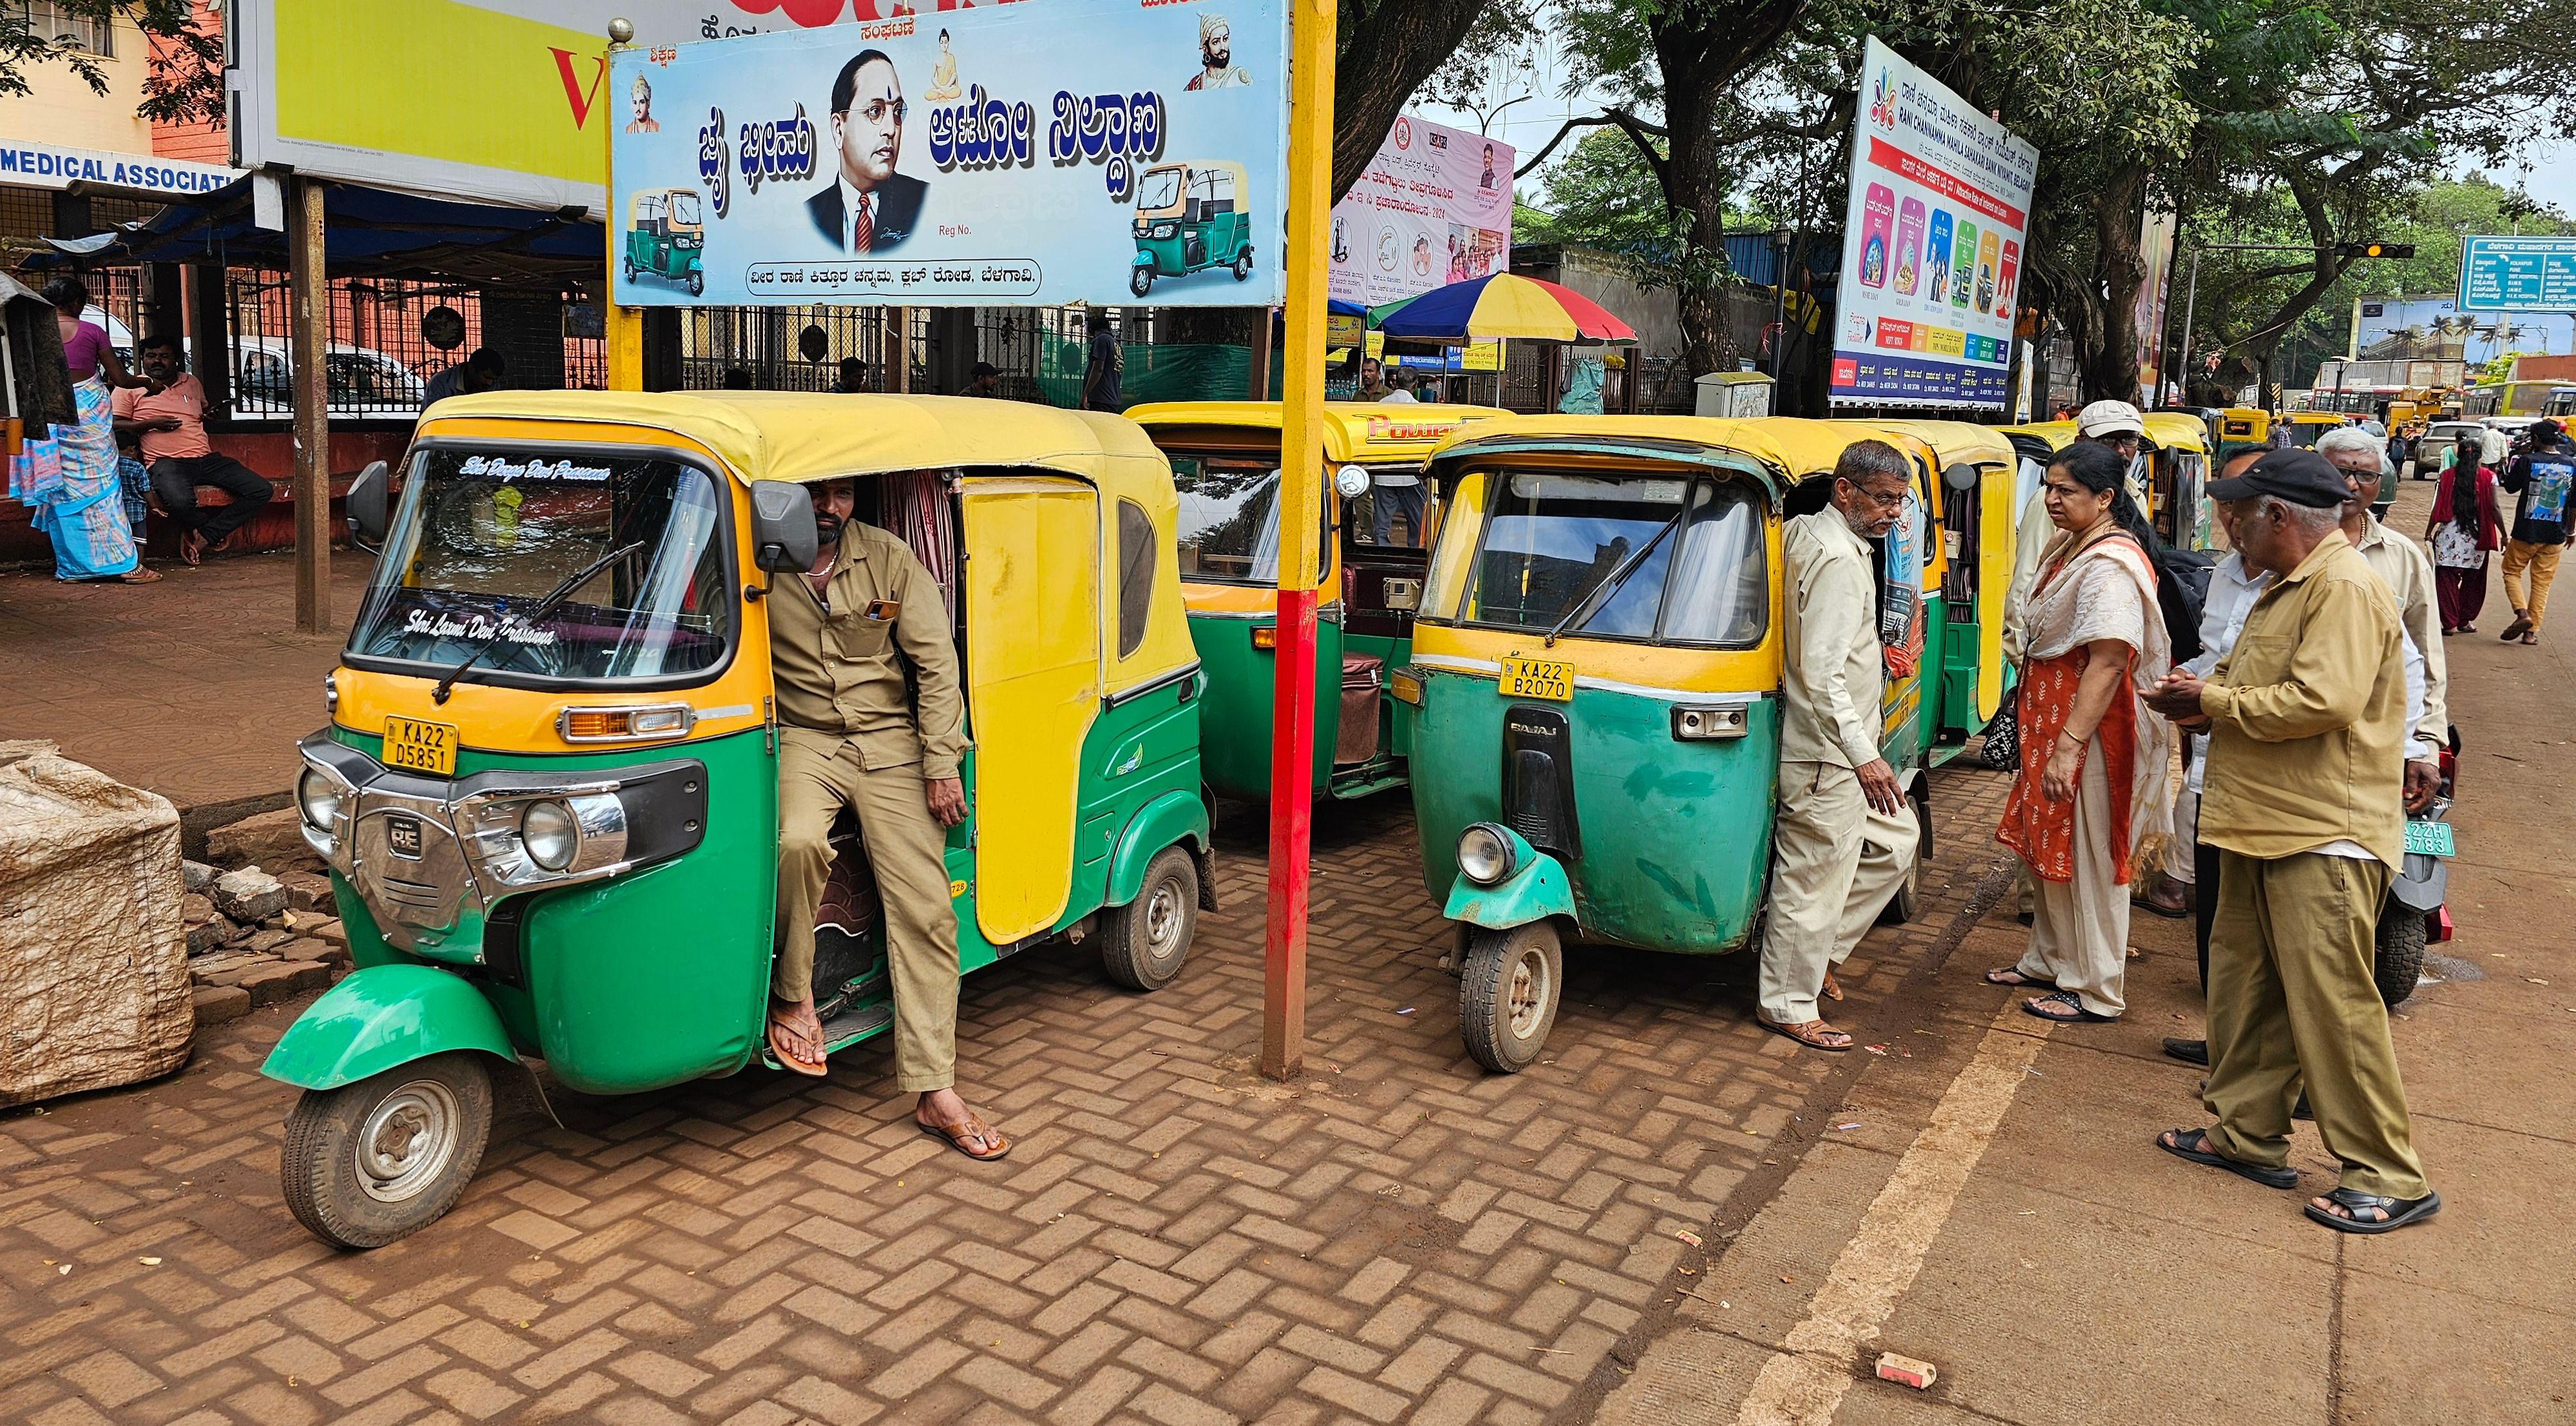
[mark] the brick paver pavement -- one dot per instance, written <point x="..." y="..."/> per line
<point x="1396" y="1236"/>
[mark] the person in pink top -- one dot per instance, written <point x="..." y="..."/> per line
<point x="67" y="478"/>
<point x="170" y="424"/>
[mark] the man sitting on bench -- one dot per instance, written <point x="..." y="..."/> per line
<point x="171" y="428"/>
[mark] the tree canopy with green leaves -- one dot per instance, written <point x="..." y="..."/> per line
<point x="185" y="80"/>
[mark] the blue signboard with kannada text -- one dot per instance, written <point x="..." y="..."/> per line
<point x="2502" y="274"/>
<point x="1023" y="155"/>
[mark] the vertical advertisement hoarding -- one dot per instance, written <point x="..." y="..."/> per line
<point x="1434" y="207"/>
<point x="1036" y="154"/>
<point x="1932" y="253"/>
<point x="2156" y="252"/>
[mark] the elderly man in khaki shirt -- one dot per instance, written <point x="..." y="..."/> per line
<point x="854" y="732"/>
<point x="2306" y="717"/>
<point x="1841" y="838"/>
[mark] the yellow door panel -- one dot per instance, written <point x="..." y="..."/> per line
<point x="1995" y="546"/>
<point x="1033" y="688"/>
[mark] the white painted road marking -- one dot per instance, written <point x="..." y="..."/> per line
<point x="1803" y="1384"/>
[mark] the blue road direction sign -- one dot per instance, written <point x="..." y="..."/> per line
<point x="2505" y="274"/>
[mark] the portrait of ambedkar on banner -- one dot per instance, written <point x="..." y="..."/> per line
<point x="869" y="207"/>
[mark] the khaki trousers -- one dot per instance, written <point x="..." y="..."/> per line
<point x="1835" y="860"/>
<point x="2079" y="929"/>
<point x="2542" y="561"/>
<point x="2290" y="994"/>
<point x="819" y="774"/>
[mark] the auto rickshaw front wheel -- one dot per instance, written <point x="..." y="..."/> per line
<point x="1143" y="943"/>
<point x="1507" y="993"/>
<point x="384" y="1157"/>
<point x="697" y="282"/>
<point x="1140" y="280"/>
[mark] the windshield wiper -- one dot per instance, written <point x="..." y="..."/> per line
<point x="554" y="598"/>
<point x="1585" y="606"/>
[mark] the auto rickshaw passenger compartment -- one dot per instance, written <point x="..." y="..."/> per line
<point x="1538" y="779"/>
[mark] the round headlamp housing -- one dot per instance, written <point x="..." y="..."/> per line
<point x="551" y="834"/>
<point x="1486" y="854"/>
<point x="318" y="798"/>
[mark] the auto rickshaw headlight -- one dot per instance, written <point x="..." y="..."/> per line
<point x="1485" y="854"/>
<point x="319" y="798"/>
<point x="551" y="834"/>
<point x="1166" y="230"/>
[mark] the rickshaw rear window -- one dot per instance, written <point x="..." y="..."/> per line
<point x="483" y="536"/>
<point x="1695" y="568"/>
<point x="1229" y="523"/>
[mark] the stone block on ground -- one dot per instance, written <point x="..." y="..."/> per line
<point x="196" y="909"/>
<point x="306" y="891"/>
<point x="268" y="940"/>
<point x="94" y="985"/>
<point x="198" y="876"/>
<point x="249" y="895"/>
<point x="222" y="967"/>
<point x="329" y="953"/>
<point x="331" y="931"/>
<point x="207" y="937"/>
<point x="272" y="839"/>
<point x="283" y="980"/>
<point x="219" y="1003"/>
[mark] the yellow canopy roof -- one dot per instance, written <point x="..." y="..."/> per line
<point x="2058" y="434"/>
<point x="1814" y="447"/>
<point x="2176" y="430"/>
<point x="800" y="436"/>
<point x="1364" y="432"/>
<point x="1685" y="438"/>
<point x="1960" y="442"/>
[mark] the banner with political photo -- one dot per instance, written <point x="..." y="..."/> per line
<point x="1434" y="207"/>
<point x="1024" y="155"/>
<point x="1932" y="248"/>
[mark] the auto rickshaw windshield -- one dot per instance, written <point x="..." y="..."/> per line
<point x="1674" y="559"/>
<point x="684" y="209"/>
<point x="1159" y="189"/>
<point x="484" y="535"/>
<point x="1229" y="519"/>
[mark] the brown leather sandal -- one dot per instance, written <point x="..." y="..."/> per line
<point x="1814" y="1034"/>
<point x="1831" y="989"/>
<point x="971" y="1129"/>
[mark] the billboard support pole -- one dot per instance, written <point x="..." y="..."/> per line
<point x="622" y="326"/>
<point x="308" y="282"/>
<point x="1301" y="470"/>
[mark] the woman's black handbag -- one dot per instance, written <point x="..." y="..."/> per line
<point x="2002" y="751"/>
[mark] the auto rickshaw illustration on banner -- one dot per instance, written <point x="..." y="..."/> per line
<point x="1596" y="688"/>
<point x="548" y="792"/>
<point x="1191" y="216"/>
<point x="666" y="237"/>
<point x="1375" y="542"/>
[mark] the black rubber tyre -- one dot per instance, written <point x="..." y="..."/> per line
<point x="697" y="283"/>
<point x="1901" y="906"/>
<point x="630" y="269"/>
<point x="383" y="1158"/>
<point x="1140" y="281"/>
<point x="1143" y="943"/>
<point x="2397" y="961"/>
<point x="1507" y="995"/>
<point x="1243" y="266"/>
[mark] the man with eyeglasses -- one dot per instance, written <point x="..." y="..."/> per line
<point x="1842" y="836"/>
<point x="869" y="207"/>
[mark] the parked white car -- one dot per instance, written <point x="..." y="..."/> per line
<point x="362" y="381"/>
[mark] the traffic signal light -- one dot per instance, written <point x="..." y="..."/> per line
<point x="2374" y="250"/>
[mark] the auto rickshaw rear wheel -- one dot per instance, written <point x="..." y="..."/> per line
<point x="384" y="1157"/>
<point x="1507" y="994"/>
<point x="1900" y="906"/>
<point x="2397" y="960"/>
<point x="1144" y="942"/>
<point x="630" y="269"/>
<point x="1243" y="265"/>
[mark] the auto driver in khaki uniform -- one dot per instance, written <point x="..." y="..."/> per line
<point x="850" y="734"/>
<point x="1842" y="837"/>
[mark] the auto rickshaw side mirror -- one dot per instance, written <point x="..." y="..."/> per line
<point x="370" y="498"/>
<point x="783" y="536"/>
<point x="1350" y="482"/>
<point x="1960" y="478"/>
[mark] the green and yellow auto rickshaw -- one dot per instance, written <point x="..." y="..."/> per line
<point x="1968" y="567"/>
<point x="548" y="792"/>
<point x="1377" y="518"/>
<point x="1596" y="680"/>
<point x="665" y="237"/>
<point x="1191" y="216"/>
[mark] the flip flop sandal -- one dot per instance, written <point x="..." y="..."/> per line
<point x="2193" y="1144"/>
<point x="2007" y="975"/>
<point x="957" y="1135"/>
<point x="2400" y="1211"/>
<point x="1807" y="1033"/>
<point x="787" y="1058"/>
<point x="2515" y="630"/>
<point x="2080" y="1015"/>
<point x="2531" y="636"/>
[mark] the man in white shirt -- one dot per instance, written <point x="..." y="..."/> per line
<point x="869" y="207"/>
<point x="2409" y="573"/>
<point x="1842" y="835"/>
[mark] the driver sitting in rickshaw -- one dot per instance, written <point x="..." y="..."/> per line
<point x="851" y="736"/>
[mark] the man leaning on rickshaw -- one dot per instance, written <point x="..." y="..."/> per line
<point x="850" y="735"/>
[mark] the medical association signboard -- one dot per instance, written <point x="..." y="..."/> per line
<point x="1434" y="207"/>
<point x="1932" y="254"/>
<point x="1030" y="154"/>
<point x="25" y="164"/>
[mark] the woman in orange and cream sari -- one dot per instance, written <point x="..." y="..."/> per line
<point x="2093" y="761"/>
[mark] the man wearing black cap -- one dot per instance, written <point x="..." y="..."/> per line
<point x="2542" y="480"/>
<point x="985" y="379"/>
<point x="2306" y="717"/>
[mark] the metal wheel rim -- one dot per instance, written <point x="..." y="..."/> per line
<point x="1162" y="921"/>
<point x="408" y="1141"/>
<point x="1526" y="993"/>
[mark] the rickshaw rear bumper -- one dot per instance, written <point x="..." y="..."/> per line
<point x="1535" y="891"/>
<point x="381" y="1017"/>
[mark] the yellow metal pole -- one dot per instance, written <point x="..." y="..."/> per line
<point x="1301" y="471"/>
<point x="622" y="326"/>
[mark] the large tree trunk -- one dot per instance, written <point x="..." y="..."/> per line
<point x="1386" y="49"/>
<point x="2108" y="361"/>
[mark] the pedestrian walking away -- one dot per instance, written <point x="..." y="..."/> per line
<point x="2540" y="479"/>
<point x="2091" y="787"/>
<point x="2306" y="717"/>
<point x="2464" y="530"/>
<point x="1843" y="834"/>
